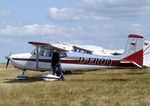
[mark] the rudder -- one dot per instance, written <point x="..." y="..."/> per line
<point x="134" y="50"/>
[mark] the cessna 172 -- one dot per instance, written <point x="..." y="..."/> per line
<point x="78" y="58"/>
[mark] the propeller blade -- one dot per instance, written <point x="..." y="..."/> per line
<point x="7" y="63"/>
<point x="8" y="59"/>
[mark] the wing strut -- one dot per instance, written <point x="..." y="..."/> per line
<point x="37" y="57"/>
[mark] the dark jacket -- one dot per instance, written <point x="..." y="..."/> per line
<point x="55" y="59"/>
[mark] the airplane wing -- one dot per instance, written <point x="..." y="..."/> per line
<point x="46" y="45"/>
<point x="80" y="49"/>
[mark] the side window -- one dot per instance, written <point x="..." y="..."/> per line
<point x="47" y="53"/>
<point x="63" y="54"/>
<point x="41" y="51"/>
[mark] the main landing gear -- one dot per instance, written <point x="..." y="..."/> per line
<point x="22" y="76"/>
<point x="50" y="77"/>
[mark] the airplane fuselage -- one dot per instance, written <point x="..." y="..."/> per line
<point x="70" y="61"/>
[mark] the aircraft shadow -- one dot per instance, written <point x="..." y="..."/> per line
<point x="29" y="80"/>
<point x="74" y="73"/>
<point x="35" y="78"/>
<point x="116" y="80"/>
<point x="103" y="80"/>
<point x="137" y="73"/>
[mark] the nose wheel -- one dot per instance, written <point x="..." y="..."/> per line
<point x="22" y="76"/>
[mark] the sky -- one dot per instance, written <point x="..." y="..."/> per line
<point x="105" y="23"/>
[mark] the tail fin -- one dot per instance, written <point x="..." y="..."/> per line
<point x="134" y="50"/>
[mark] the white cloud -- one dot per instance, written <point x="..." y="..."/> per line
<point x="136" y="25"/>
<point x="77" y="32"/>
<point x="5" y="42"/>
<point x="101" y="10"/>
<point x="33" y="29"/>
<point x="42" y="30"/>
<point x="118" y="3"/>
<point x="67" y="14"/>
<point x="118" y="7"/>
<point x="5" y="13"/>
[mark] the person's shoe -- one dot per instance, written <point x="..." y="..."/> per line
<point x="62" y="78"/>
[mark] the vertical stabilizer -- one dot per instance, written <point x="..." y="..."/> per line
<point x="134" y="50"/>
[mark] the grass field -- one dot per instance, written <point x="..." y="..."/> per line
<point x="113" y="87"/>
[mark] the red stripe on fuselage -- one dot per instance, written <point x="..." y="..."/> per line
<point x="113" y="62"/>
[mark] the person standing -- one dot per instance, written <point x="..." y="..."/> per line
<point x="56" y="66"/>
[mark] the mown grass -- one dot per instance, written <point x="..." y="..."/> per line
<point x="113" y="87"/>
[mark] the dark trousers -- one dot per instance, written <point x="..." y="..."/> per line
<point x="58" y="70"/>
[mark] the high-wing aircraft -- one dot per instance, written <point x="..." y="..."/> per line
<point x="78" y="58"/>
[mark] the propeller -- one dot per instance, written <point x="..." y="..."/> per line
<point x="8" y="59"/>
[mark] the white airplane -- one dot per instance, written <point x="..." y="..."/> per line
<point x="77" y="58"/>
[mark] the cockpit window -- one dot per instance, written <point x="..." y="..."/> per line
<point x="48" y="52"/>
<point x="43" y="52"/>
<point x="33" y="52"/>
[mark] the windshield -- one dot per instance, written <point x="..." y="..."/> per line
<point x="48" y="52"/>
<point x="43" y="52"/>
